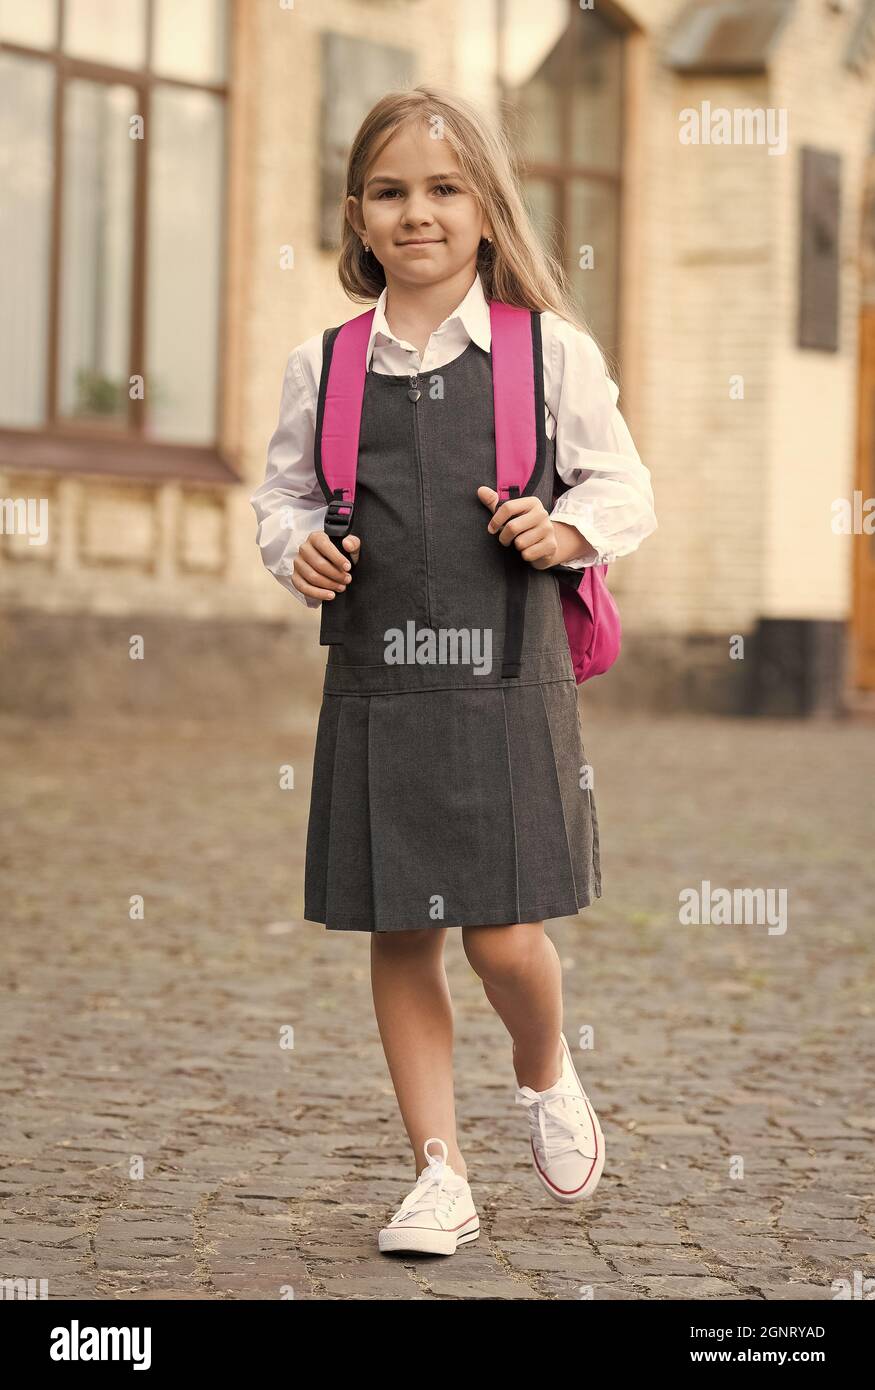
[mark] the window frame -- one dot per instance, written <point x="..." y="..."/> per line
<point x="560" y="174"/>
<point x="62" y="444"/>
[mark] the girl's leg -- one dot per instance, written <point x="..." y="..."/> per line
<point x="415" y="1017"/>
<point x="522" y="978"/>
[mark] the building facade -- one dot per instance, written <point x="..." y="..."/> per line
<point x="706" y="173"/>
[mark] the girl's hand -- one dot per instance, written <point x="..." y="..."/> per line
<point x="524" y="523"/>
<point x="319" y="571"/>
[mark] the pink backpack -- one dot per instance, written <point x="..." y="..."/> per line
<point x="592" y="621"/>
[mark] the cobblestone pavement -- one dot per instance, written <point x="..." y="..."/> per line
<point x="268" y="1168"/>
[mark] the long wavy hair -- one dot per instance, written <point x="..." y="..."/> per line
<point x="515" y="268"/>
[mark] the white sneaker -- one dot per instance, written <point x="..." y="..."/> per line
<point x="568" y="1147"/>
<point x="437" y="1215"/>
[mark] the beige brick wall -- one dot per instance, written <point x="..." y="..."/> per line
<point x="119" y="547"/>
<point x="812" y="434"/>
<point x="703" y="320"/>
<point x="743" y="488"/>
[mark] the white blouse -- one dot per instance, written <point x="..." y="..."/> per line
<point x="610" y="499"/>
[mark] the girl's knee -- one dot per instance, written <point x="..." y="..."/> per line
<point x="420" y="941"/>
<point x="502" y="954"/>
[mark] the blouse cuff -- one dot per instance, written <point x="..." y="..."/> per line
<point x="604" y="554"/>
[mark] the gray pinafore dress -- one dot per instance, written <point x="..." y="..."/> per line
<point x="442" y="794"/>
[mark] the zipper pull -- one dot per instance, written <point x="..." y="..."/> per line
<point x="414" y="392"/>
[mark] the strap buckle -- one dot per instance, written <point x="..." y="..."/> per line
<point x="338" y="518"/>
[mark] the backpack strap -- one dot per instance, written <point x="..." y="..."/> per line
<point x="336" y="446"/>
<point x="520" y="445"/>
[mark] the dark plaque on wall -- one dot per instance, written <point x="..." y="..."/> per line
<point x="355" y="74"/>
<point x="819" y="249"/>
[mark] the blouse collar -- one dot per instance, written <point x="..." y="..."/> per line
<point x="472" y="313"/>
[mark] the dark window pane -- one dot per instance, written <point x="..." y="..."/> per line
<point x="535" y="66"/>
<point x="594" y="221"/>
<point x="596" y="93"/>
<point x="355" y="74"/>
<point x="567" y="114"/>
<point x="26" y="88"/>
<point x="819" y="249"/>
<point x="95" y="252"/>
<point x="541" y="198"/>
<point x="184" y="249"/>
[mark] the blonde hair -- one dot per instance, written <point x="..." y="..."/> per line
<point x="514" y="267"/>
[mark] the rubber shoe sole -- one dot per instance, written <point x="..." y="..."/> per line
<point x="425" y="1240"/>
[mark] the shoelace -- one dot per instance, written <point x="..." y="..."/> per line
<point x="562" y="1123"/>
<point x="429" y="1193"/>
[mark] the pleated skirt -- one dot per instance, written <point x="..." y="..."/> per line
<point x="450" y="808"/>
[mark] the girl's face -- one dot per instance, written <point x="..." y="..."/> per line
<point x="417" y="212"/>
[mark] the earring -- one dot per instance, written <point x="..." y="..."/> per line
<point x="366" y="245"/>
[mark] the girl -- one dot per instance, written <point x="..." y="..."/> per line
<point x="443" y="795"/>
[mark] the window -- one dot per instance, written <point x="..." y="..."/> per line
<point x="563" y="74"/>
<point x="112" y="126"/>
